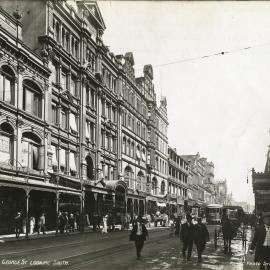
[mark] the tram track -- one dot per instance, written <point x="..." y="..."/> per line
<point x="87" y="258"/>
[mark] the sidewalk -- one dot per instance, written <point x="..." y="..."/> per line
<point x="89" y="229"/>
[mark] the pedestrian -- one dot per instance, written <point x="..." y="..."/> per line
<point x="105" y="224"/>
<point x="61" y="220"/>
<point x="78" y="220"/>
<point x="42" y="224"/>
<point x="261" y="242"/>
<point x="71" y="222"/>
<point x="18" y="224"/>
<point x="177" y="226"/>
<point x="32" y="222"/>
<point x="138" y="234"/>
<point x="201" y="236"/>
<point x="66" y="223"/>
<point x="187" y="236"/>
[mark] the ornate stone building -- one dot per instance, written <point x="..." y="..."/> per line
<point x="79" y="132"/>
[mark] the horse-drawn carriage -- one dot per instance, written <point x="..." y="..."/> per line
<point x="232" y="227"/>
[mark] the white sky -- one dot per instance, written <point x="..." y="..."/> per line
<point x="217" y="106"/>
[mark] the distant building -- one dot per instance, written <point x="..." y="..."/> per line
<point x="177" y="182"/>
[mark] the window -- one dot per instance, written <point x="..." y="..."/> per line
<point x="124" y="145"/>
<point x="88" y="95"/>
<point x="128" y="147"/>
<point x="72" y="163"/>
<point x="132" y="149"/>
<point x="73" y="85"/>
<point x="7" y="85"/>
<point x="6" y="143"/>
<point x="162" y="188"/>
<point x="92" y="132"/>
<point x="64" y="80"/>
<point x="63" y="160"/>
<point x="102" y="138"/>
<point x="57" y="32"/>
<point x="32" y="153"/>
<point x="143" y="155"/>
<point x="76" y="50"/>
<point x="87" y="128"/>
<point x="138" y="153"/>
<point x="92" y="98"/>
<point x="103" y="107"/>
<point x="138" y="129"/>
<point x="154" y="186"/>
<point x="128" y="177"/>
<point x="32" y="101"/>
<point x="54" y="74"/>
<point x="64" y="119"/>
<point x="54" y="114"/>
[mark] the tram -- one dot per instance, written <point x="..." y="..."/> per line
<point x="213" y="213"/>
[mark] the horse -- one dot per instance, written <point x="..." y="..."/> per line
<point x="228" y="232"/>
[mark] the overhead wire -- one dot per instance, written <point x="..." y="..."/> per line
<point x="207" y="56"/>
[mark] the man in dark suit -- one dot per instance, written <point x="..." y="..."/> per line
<point x="201" y="236"/>
<point x="261" y="241"/>
<point x="138" y="234"/>
<point x="187" y="237"/>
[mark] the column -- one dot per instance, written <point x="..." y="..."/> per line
<point x="57" y="210"/>
<point x="27" y="196"/>
<point x="82" y="198"/>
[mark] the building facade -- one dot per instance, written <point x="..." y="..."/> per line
<point x="79" y="133"/>
<point x="177" y="182"/>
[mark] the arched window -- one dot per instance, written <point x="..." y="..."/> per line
<point x="162" y="188"/>
<point x="154" y="186"/>
<point x="7" y="85"/>
<point x="7" y="145"/>
<point x="124" y="145"/>
<point x="129" y="177"/>
<point x="32" y="153"/>
<point x="32" y="98"/>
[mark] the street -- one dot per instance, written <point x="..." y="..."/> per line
<point x="114" y="251"/>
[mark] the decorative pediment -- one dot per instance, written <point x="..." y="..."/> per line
<point x="95" y="12"/>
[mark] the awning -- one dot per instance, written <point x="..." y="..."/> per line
<point x="161" y="204"/>
<point x="113" y="184"/>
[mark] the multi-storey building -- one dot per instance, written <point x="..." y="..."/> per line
<point x="24" y="83"/>
<point x="201" y="190"/>
<point x="134" y="136"/>
<point x="79" y="132"/>
<point x="177" y="181"/>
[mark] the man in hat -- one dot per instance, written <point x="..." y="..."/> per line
<point x="261" y="241"/>
<point x="187" y="236"/>
<point x="138" y="234"/>
<point x="201" y="236"/>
